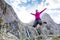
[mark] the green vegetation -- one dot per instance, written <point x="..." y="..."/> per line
<point x="1" y="20"/>
<point x="41" y="38"/>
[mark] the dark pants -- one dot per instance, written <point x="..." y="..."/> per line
<point x="37" y="21"/>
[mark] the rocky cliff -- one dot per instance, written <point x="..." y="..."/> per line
<point x="8" y="21"/>
<point x="11" y="28"/>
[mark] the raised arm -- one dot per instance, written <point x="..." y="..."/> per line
<point x="32" y="14"/>
<point x="43" y="10"/>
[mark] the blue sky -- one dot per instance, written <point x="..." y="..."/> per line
<point x="23" y="8"/>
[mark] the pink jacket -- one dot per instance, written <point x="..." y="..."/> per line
<point x="38" y="14"/>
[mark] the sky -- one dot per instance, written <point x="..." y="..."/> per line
<point x="23" y="8"/>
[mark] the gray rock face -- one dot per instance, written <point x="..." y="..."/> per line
<point x="10" y="24"/>
<point x="8" y="20"/>
<point x="51" y="24"/>
<point x="13" y="29"/>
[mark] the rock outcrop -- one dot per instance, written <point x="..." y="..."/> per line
<point x="9" y="22"/>
<point x="11" y="28"/>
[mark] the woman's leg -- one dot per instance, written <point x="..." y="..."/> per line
<point x="40" y="22"/>
<point x="35" y="23"/>
<point x="45" y="22"/>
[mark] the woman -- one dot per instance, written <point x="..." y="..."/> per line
<point x="37" y="17"/>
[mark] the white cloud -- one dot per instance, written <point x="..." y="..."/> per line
<point x="52" y="4"/>
<point x="23" y="1"/>
<point x="25" y="16"/>
<point x="57" y="1"/>
<point x="57" y="19"/>
<point x="16" y="2"/>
